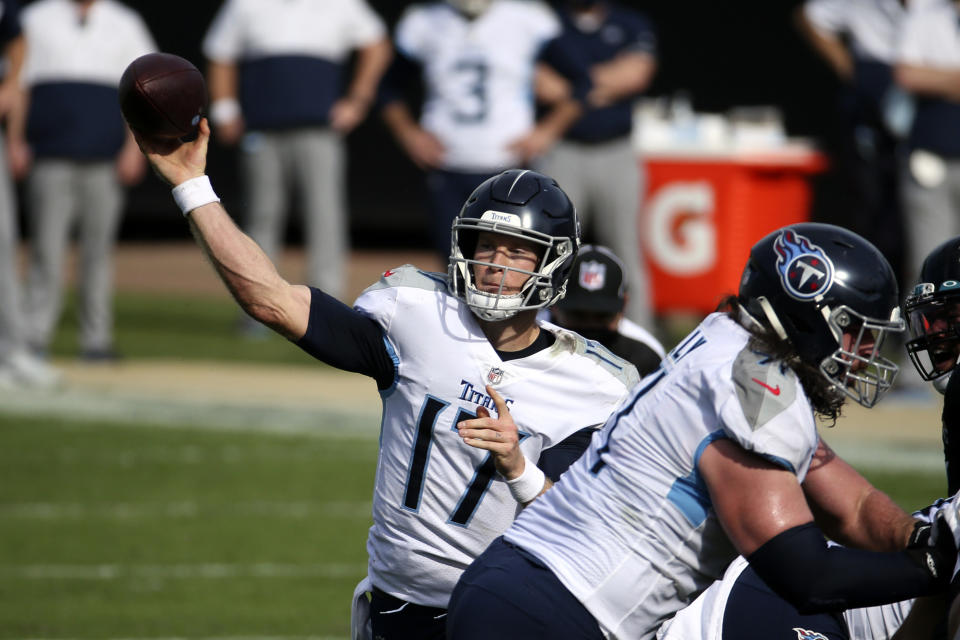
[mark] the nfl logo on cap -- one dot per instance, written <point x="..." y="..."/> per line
<point x="593" y="275"/>
<point x="597" y="286"/>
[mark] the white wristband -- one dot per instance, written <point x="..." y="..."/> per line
<point x="528" y="485"/>
<point x="224" y="110"/>
<point x="194" y="193"/>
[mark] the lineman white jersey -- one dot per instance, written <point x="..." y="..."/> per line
<point x="438" y="502"/>
<point x="703" y="619"/>
<point x="478" y="75"/>
<point x="631" y="531"/>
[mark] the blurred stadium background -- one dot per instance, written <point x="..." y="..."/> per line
<point x="211" y="487"/>
<point x="723" y="56"/>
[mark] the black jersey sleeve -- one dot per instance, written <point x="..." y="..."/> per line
<point x="346" y="339"/>
<point x="951" y="432"/>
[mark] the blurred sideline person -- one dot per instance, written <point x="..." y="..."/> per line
<point x="857" y="39"/>
<point x="932" y="311"/>
<point x="18" y="366"/>
<point x="928" y="66"/>
<point x="277" y="89"/>
<point x="70" y="141"/>
<point x="595" y="160"/>
<point x="715" y="454"/>
<point x="441" y="349"/>
<point x="597" y="295"/>
<point x="477" y="60"/>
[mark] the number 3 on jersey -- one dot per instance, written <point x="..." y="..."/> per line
<point x="473" y="107"/>
<point x="420" y="459"/>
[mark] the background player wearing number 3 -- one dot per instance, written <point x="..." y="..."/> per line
<point x="437" y="347"/>
<point x="478" y="60"/>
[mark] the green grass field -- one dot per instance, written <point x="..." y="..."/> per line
<point x="185" y="327"/>
<point x="129" y="531"/>
<point x="144" y="531"/>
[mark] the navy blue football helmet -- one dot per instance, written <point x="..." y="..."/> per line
<point x="933" y="315"/>
<point x="813" y="283"/>
<point x="522" y="204"/>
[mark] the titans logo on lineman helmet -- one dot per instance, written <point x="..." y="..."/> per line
<point x="803" y="634"/>
<point x="805" y="269"/>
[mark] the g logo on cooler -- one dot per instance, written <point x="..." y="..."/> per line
<point x="805" y="270"/>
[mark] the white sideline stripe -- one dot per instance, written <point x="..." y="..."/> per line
<point x="212" y="571"/>
<point x="89" y="405"/>
<point x="363" y="422"/>
<point x="132" y="511"/>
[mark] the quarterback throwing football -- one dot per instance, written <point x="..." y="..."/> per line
<point x="445" y="351"/>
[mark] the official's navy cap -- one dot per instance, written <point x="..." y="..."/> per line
<point x="596" y="282"/>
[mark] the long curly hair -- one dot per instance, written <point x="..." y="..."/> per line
<point x="827" y="401"/>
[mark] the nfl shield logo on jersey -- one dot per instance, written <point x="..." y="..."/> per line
<point x="495" y="375"/>
<point x="593" y="274"/>
<point x="803" y="634"/>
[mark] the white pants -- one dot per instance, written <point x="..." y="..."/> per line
<point x="60" y="193"/>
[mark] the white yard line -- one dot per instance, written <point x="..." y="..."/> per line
<point x="132" y="407"/>
<point x="212" y="571"/>
<point x="181" y="510"/>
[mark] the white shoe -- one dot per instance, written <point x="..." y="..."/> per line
<point x="31" y="371"/>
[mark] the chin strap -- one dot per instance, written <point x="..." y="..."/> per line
<point x="747" y="320"/>
<point x="772" y="317"/>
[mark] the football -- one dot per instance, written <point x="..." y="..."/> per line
<point x="163" y="96"/>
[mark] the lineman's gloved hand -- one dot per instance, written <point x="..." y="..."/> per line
<point x="933" y="545"/>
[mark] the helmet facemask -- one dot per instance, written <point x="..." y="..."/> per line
<point x="543" y="287"/>
<point x="857" y="368"/>
<point x="934" y="322"/>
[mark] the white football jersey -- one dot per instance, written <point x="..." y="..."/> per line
<point x="478" y="76"/>
<point x="438" y="502"/>
<point x="703" y="619"/>
<point x="631" y="531"/>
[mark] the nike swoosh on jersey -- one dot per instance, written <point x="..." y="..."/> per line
<point x="774" y="390"/>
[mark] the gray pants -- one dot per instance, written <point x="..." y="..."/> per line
<point x="60" y="192"/>
<point x="11" y="336"/>
<point x="312" y="162"/>
<point x="931" y="217"/>
<point x="604" y="181"/>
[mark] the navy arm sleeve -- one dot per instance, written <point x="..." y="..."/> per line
<point x="555" y="460"/>
<point x="346" y="339"/>
<point x="799" y="566"/>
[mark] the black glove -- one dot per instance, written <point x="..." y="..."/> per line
<point x="951" y="432"/>
<point x="933" y="547"/>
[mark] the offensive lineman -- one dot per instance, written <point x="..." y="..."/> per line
<point x="717" y="453"/>
<point x="441" y="349"/>
<point x="933" y="318"/>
